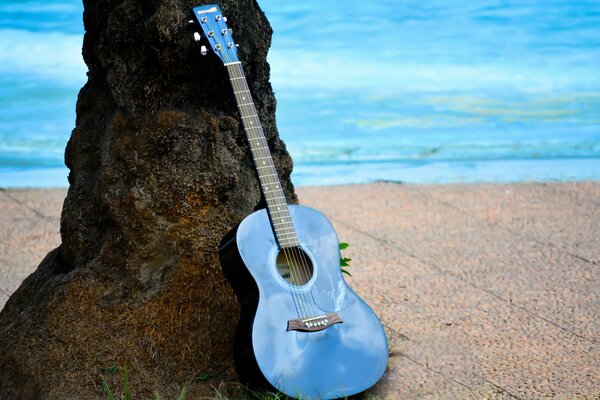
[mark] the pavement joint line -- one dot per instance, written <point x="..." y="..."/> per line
<point x="394" y="332"/>
<point x="435" y="371"/>
<point x="512" y="231"/>
<point x="395" y="246"/>
<point x="559" y="189"/>
<point x="39" y="214"/>
<point x="449" y="378"/>
<point x="500" y="388"/>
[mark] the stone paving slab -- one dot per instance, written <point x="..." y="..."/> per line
<point x="466" y="334"/>
<point x="514" y="267"/>
<point x="524" y="210"/>
<point x="486" y="291"/>
<point x="484" y="302"/>
<point x="46" y="203"/>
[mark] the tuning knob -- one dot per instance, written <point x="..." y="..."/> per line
<point x="203" y="50"/>
<point x="197" y="36"/>
<point x="191" y="22"/>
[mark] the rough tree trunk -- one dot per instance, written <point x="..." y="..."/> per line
<point x="159" y="171"/>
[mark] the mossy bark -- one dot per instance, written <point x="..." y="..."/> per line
<point x="159" y="171"/>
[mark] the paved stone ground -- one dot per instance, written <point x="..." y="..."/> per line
<point x="486" y="291"/>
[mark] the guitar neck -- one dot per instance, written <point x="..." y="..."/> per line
<point x="283" y="227"/>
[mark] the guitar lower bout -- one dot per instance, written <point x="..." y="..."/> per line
<point x="326" y="343"/>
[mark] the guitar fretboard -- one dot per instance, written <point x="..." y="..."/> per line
<point x="283" y="227"/>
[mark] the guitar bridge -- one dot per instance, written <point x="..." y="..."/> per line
<point x="314" y="324"/>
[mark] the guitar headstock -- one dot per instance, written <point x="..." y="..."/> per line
<point x="214" y="26"/>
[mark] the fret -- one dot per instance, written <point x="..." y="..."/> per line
<point x="270" y="201"/>
<point x="291" y="234"/>
<point x="284" y="229"/>
<point x="282" y="220"/>
<point x="245" y="104"/>
<point x="288" y="239"/>
<point x="233" y="79"/>
<point x="242" y="91"/>
<point x="280" y="214"/>
<point x="250" y="116"/>
<point x="288" y="245"/>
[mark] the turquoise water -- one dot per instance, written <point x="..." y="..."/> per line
<point x="438" y="91"/>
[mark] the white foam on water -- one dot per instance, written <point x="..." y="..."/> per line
<point x="43" y="56"/>
<point x="301" y="69"/>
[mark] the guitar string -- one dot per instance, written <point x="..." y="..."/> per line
<point x="237" y="87"/>
<point x="291" y="259"/>
<point x="295" y="257"/>
<point x="233" y="80"/>
<point x="300" y="259"/>
<point x="304" y="262"/>
<point x="295" y="253"/>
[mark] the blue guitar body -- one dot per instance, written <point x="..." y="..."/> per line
<point x="302" y="329"/>
<point x="344" y="358"/>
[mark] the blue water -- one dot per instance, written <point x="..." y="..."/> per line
<point x="437" y="91"/>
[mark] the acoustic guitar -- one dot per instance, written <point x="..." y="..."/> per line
<point x="302" y="329"/>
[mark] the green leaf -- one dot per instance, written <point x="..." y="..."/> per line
<point x="346" y="272"/>
<point x="184" y="392"/>
<point x="127" y="394"/>
<point x="107" y="391"/>
<point x="205" y="376"/>
<point x="113" y="369"/>
<point x="344" y="246"/>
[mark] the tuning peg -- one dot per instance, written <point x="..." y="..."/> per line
<point x="191" y="22"/>
<point x="224" y="19"/>
<point x="197" y="36"/>
<point x="203" y="50"/>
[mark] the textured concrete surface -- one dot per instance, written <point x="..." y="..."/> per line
<point x="486" y="291"/>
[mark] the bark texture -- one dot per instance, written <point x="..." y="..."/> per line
<point x="160" y="170"/>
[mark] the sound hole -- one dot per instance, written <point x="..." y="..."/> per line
<point x="294" y="266"/>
